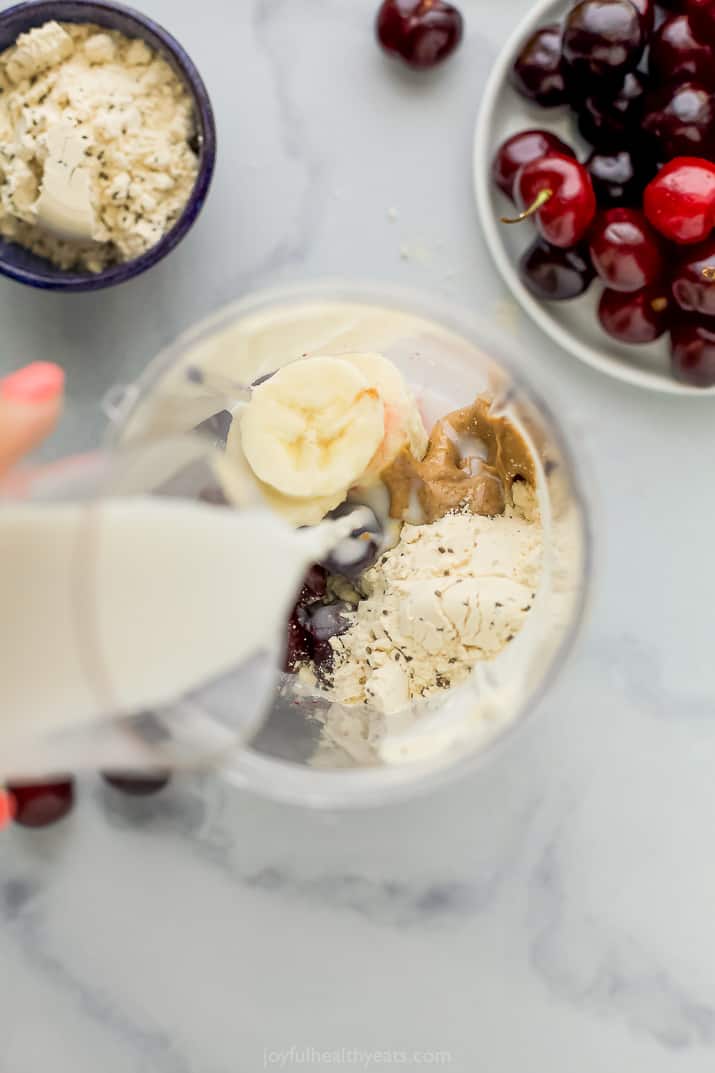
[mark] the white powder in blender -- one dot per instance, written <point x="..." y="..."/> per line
<point x="125" y="121"/>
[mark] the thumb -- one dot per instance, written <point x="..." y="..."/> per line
<point x="30" y="405"/>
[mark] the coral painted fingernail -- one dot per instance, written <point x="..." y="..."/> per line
<point x="40" y="381"/>
<point x="7" y="809"/>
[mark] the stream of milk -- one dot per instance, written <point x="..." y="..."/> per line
<point x="124" y="605"/>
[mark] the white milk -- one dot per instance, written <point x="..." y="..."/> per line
<point x="124" y="605"/>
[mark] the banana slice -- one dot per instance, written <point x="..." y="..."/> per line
<point x="403" y="424"/>
<point x="242" y="488"/>
<point x="313" y="428"/>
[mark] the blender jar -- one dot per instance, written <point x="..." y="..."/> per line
<point x="448" y="360"/>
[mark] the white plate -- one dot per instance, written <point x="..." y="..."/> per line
<point x="573" y="325"/>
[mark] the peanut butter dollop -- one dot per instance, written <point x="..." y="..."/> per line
<point x="454" y="474"/>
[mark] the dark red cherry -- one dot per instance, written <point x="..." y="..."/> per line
<point x="625" y="250"/>
<point x="422" y="33"/>
<point x="692" y="351"/>
<point x="43" y="803"/>
<point x="639" y="317"/>
<point x="619" y="177"/>
<point x="299" y="648"/>
<point x="521" y="149"/>
<point x="681" y="119"/>
<point x="557" y="192"/>
<point x="702" y="18"/>
<point x="694" y="280"/>
<point x="554" y="275"/>
<point x="137" y="785"/>
<point x="537" y="72"/>
<point x="677" y="56"/>
<point x="314" y="586"/>
<point x="603" y="41"/>
<point x="323" y="657"/>
<point x="612" y="120"/>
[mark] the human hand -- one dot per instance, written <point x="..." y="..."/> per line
<point x="30" y="406"/>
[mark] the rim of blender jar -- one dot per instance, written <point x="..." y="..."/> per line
<point x="345" y="788"/>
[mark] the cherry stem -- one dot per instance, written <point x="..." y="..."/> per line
<point x="538" y="203"/>
<point x="709" y="273"/>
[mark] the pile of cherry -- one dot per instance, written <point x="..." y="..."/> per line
<point x="41" y="804"/>
<point x="639" y="213"/>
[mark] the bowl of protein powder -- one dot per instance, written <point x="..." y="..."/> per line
<point x="107" y="144"/>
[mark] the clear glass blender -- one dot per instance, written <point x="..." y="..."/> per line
<point x="449" y="359"/>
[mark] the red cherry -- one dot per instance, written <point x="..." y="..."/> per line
<point x="620" y="176"/>
<point x="41" y="805"/>
<point x="680" y="119"/>
<point x="137" y="785"/>
<point x="555" y="275"/>
<point x="676" y="56"/>
<point x="603" y="40"/>
<point x="625" y="250"/>
<point x="694" y="280"/>
<point x="614" y="120"/>
<point x="702" y="18"/>
<point x="422" y="33"/>
<point x="537" y="72"/>
<point x="559" y="192"/>
<point x="680" y="201"/>
<point x="692" y="351"/>
<point x="639" y="317"/>
<point x="299" y="648"/>
<point x="521" y="149"/>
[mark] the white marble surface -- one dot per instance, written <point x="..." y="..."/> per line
<point x="553" y="912"/>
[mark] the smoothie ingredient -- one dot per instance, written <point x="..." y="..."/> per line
<point x="538" y="71"/>
<point x="607" y="119"/>
<point x="323" y="423"/>
<point x="313" y="428"/>
<point x="694" y="280"/>
<point x="555" y="275"/>
<point x="680" y="201"/>
<point x="521" y="149"/>
<point x="472" y="461"/>
<point x="137" y="785"/>
<point x="422" y="33"/>
<point x="603" y="41"/>
<point x="625" y="251"/>
<point x="448" y="595"/>
<point x="558" y="192"/>
<point x="95" y="153"/>
<point x="676" y="56"/>
<point x="636" y="120"/>
<point x="636" y="317"/>
<point x="681" y="120"/>
<point x="620" y="176"/>
<point x="693" y="351"/>
<point x="702" y="19"/>
<point x="41" y="804"/>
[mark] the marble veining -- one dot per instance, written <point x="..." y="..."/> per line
<point x="610" y="974"/>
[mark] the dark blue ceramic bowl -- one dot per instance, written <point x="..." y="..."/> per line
<point x="26" y="267"/>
